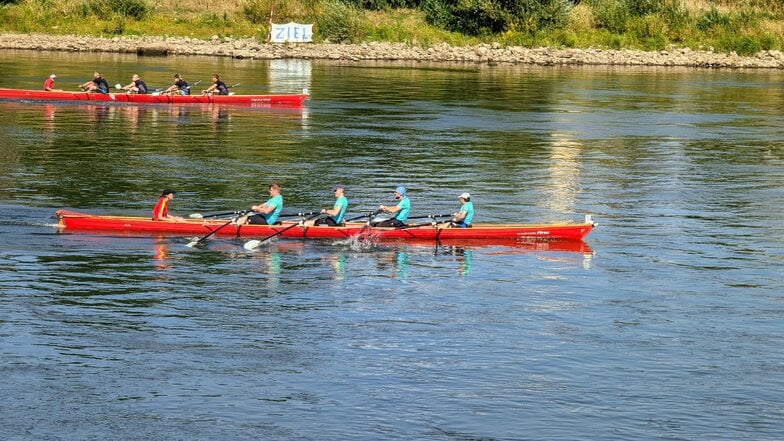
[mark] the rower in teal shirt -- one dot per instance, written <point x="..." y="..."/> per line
<point x="335" y="215"/>
<point x="401" y="210"/>
<point x="268" y="212"/>
<point x="465" y="216"/>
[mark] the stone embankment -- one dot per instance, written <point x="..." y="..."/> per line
<point x="481" y="54"/>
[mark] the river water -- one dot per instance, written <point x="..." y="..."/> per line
<point x="665" y="323"/>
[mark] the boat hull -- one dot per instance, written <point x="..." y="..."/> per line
<point x="74" y="221"/>
<point x="292" y="100"/>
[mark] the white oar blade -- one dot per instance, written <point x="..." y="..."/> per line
<point x="196" y="216"/>
<point x="252" y="244"/>
<point x="193" y="242"/>
<point x="117" y="86"/>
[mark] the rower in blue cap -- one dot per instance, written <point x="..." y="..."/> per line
<point x="401" y="210"/>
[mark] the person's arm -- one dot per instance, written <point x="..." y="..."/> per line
<point x="209" y="89"/>
<point x="128" y="87"/>
<point x="388" y="209"/>
<point x="459" y="216"/>
<point x="263" y="208"/>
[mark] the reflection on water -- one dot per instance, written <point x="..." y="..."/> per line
<point x="683" y="170"/>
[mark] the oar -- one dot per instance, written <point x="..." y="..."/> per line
<point x="118" y="86"/>
<point x="253" y="244"/>
<point x="434" y="224"/>
<point x="307" y="213"/>
<point x="430" y="216"/>
<point x="224" y="213"/>
<point x="369" y="214"/>
<point x="195" y="242"/>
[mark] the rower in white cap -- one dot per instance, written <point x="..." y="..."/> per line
<point x="465" y="215"/>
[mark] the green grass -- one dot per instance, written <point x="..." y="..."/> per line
<point x="746" y="28"/>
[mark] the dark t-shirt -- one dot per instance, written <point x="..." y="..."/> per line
<point x="222" y="89"/>
<point x="141" y="86"/>
<point x="102" y="85"/>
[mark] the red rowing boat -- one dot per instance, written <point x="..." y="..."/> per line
<point x="73" y="221"/>
<point x="292" y="100"/>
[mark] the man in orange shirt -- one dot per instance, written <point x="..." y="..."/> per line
<point x="49" y="84"/>
<point x="161" y="210"/>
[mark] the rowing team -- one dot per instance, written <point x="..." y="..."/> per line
<point x="99" y="85"/>
<point x="268" y="212"/>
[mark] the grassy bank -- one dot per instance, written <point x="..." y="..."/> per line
<point x="745" y="27"/>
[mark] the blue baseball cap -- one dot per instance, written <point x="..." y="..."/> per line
<point x="400" y="190"/>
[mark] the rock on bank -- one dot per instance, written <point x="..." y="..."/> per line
<point x="482" y="53"/>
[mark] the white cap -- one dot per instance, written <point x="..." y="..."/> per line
<point x="465" y="196"/>
<point x="52" y="76"/>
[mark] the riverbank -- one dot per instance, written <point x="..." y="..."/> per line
<point x="251" y="48"/>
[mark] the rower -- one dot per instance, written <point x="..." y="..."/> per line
<point x="218" y="87"/>
<point x="180" y="86"/>
<point x="463" y="217"/>
<point x="268" y="212"/>
<point x="401" y="210"/>
<point x="136" y="85"/>
<point x="335" y="215"/>
<point x="97" y="84"/>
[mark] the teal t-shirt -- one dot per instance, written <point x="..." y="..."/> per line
<point x="468" y="208"/>
<point x="405" y="207"/>
<point x="277" y="202"/>
<point x="342" y="204"/>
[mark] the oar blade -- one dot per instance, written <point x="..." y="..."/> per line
<point x="196" y="216"/>
<point x="252" y="244"/>
<point x="195" y="241"/>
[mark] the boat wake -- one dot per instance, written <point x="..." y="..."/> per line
<point x="360" y="242"/>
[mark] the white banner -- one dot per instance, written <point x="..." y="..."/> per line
<point x="291" y="33"/>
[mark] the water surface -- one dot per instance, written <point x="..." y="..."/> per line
<point x="664" y="324"/>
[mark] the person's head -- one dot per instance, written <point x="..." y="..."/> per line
<point x="52" y="76"/>
<point x="177" y="76"/>
<point x="400" y="192"/>
<point x="464" y="197"/>
<point x="167" y="193"/>
<point x="215" y="78"/>
<point x="135" y="77"/>
<point x="96" y="75"/>
<point x="274" y="189"/>
<point x="338" y="190"/>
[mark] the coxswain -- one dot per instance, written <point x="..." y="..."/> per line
<point x="161" y="210"/>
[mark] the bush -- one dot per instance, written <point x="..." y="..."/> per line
<point x="340" y="23"/>
<point x="741" y="44"/>
<point x="384" y="4"/>
<point x="106" y="9"/>
<point x="612" y="15"/>
<point x="482" y="17"/>
<point x="712" y="18"/>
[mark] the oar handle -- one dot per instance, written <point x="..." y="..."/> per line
<point x="368" y="214"/>
<point x="223" y="213"/>
<point x="307" y="213"/>
<point x="430" y="216"/>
